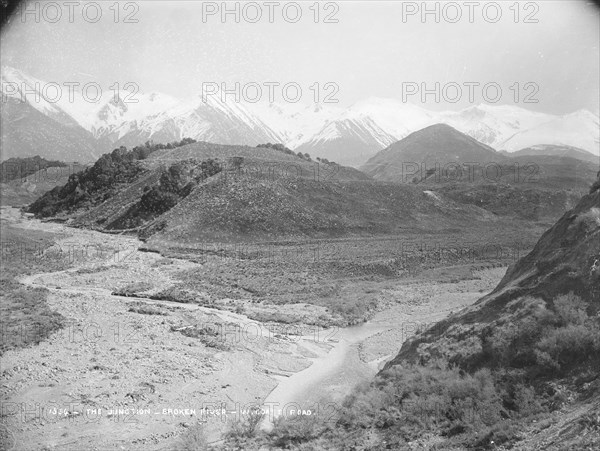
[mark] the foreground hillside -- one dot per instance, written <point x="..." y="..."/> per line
<point x="535" y="341"/>
<point x="565" y="259"/>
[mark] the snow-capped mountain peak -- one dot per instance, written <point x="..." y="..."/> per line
<point x="346" y="135"/>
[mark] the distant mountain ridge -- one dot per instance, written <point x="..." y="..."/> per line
<point x="558" y="151"/>
<point x="80" y="130"/>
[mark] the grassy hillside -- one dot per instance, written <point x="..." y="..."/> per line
<point x="249" y="209"/>
<point x="256" y="193"/>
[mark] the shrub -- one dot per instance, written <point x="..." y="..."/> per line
<point x="194" y="439"/>
<point x="146" y="310"/>
<point x="209" y="336"/>
<point x="132" y="289"/>
<point x="279" y="147"/>
<point x="410" y="399"/>
<point x="210" y="167"/>
<point x="157" y="202"/>
<point x="243" y="429"/>
<point x="544" y="341"/>
<point x="503" y="433"/>
<point x="525" y="401"/>
<point x="571" y="309"/>
<point x="176" y="183"/>
<point x="293" y="430"/>
<point x="571" y="344"/>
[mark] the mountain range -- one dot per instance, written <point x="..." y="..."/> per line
<point x="73" y="129"/>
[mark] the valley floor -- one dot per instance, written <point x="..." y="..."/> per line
<point x="134" y="372"/>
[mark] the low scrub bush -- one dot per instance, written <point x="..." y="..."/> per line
<point x="193" y="439"/>
<point x="291" y="431"/>
<point x="209" y="336"/>
<point x="410" y="399"/>
<point x="549" y="342"/>
<point x="132" y="289"/>
<point x="242" y="431"/>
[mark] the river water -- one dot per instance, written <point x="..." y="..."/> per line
<point x="332" y="374"/>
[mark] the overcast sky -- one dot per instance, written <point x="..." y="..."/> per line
<point x="372" y="50"/>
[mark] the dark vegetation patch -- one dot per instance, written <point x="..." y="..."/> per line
<point x="303" y="156"/>
<point x="546" y="342"/>
<point x="145" y="309"/>
<point x="175" y="183"/>
<point x="176" y="294"/>
<point x="17" y="168"/>
<point x="134" y="289"/>
<point x="103" y="180"/>
<point x="209" y="335"/>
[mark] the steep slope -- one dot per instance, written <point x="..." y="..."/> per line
<point x="295" y="123"/>
<point x="28" y="132"/>
<point x="48" y="100"/>
<point x="437" y="144"/>
<point x="355" y="134"/>
<point x="213" y="120"/>
<point x="347" y="141"/>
